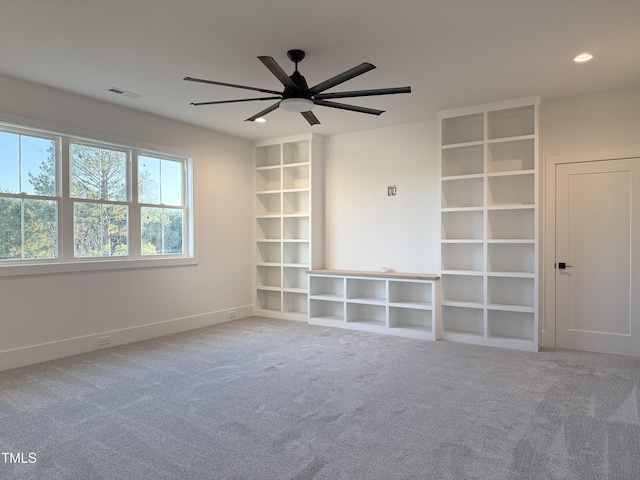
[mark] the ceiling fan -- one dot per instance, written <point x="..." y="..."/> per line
<point x="298" y="97"/>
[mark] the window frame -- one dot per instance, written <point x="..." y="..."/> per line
<point x="66" y="260"/>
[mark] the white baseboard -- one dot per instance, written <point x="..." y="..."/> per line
<point x="20" y="357"/>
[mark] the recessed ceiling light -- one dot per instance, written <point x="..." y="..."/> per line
<point x="583" y="57"/>
<point x="260" y="120"/>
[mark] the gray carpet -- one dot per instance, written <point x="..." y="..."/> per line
<point x="271" y="399"/>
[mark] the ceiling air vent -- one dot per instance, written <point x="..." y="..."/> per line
<point x="124" y="93"/>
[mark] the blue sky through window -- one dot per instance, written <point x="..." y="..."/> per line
<point x="19" y="156"/>
<point x="161" y="181"/>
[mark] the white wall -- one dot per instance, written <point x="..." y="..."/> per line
<point x="593" y="123"/>
<point x="46" y="316"/>
<point x="581" y="128"/>
<point x="366" y="229"/>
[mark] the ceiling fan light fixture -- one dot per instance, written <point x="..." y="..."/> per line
<point x="296" y="105"/>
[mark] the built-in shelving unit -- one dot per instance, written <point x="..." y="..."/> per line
<point x="489" y="217"/>
<point x="391" y="303"/>
<point x="289" y="223"/>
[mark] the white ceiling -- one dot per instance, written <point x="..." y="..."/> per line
<point x="452" y="53"/>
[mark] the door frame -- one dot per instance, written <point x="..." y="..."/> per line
<point x="547" y="321"/>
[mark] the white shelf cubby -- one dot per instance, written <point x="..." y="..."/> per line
<point x="269" y="252"/>
<point x="463" y="129"/>
<point x="462" y="257"/>
<point x="463" y="192"/>
<point x="268" y="204"/>
<point x="462" y="161"/>
<point x="511" y="156"/>
<point x="268" y="179"/>
<point x="294" y="279"/>
<point x="463" y="225"/>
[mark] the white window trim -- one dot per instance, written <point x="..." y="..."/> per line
<point x="66" y="263"/>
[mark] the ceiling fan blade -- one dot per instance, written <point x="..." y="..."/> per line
<point x="353" y="108"/>
<point x="364" y="93"/>
<point x="263" y="112"/>
<point x="342" y="77"/>
<point x="311" y="118"/>
<point x="198" y="104"/>
<point x="191" y="79"/>
<point x="277" y="70"/>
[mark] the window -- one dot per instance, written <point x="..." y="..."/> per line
<point x="28" y="197"/>
<point x="65" y="200"/>
<point x="160" y="187"/>
<point x="100" y="193"/>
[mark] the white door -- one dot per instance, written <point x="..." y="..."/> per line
<point x="598" y="256"/>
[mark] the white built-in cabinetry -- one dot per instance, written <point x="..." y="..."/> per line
<point x="391" y="303"/>
<point x="289" y="230"/>
<point x="489" y="212"/>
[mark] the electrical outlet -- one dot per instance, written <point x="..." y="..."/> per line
<point x="232" y="314"/>
<point x="104" y="340"/>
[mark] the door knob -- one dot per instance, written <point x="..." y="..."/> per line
<point x="563" y="265"/>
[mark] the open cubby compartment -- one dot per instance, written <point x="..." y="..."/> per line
<point x="463" y="161"/>
<point x="511" y="325"/>
<point x="295" y="202"/>
<point x="269" y="300"/>
<point x="295" y="253"/>
<point x="366" y="289"/>
<point x="295" y="152"/>
<point x="463" y="257"/>
<point x="269" y="252"/>
<point x="410" y="294"/>
<point x="267" y="204"/>
<point x="463" y="288"/>
<point x="267" y="156"/>
<point x="463" y="320"/>
<point x="463" y="192"/>
<point x="511" y="292"/>
<point x="268" y="277"/>
<point x="463" y="129"/>
<point x="326" y="309"/>
<point x="268" y="179"/>
<point x="421" y="320"/>
<point x="296" y="228"/>
<point x="327" y="287"/>
<point x="464" y="225"/>
<point x="294" y="278"/>
<point x="516" y="224"/>
<point x="294" y="302"/>
<point x="511" y="258"/>
<point x="268" y="228"/>
<point x="296" y="176"/>
<point x="511" y="190"/>
<point x="366" y="313"/>
<point x="511" y="122"/>
<point x="511" y="156"/>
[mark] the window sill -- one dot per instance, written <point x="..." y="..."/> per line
<point x="93" y="265"/>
